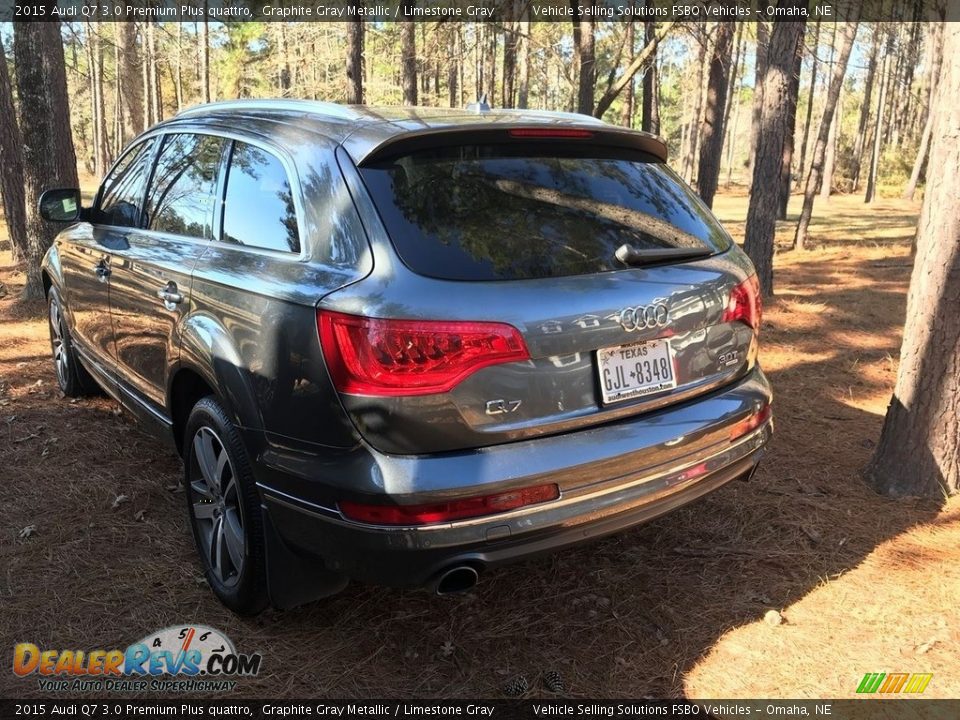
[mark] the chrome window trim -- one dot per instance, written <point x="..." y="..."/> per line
<point x="293" y="177"/>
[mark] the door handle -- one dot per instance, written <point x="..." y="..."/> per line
<point x="102" y="270"/>
<point x="170" y="296"/>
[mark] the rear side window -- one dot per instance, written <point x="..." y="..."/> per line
<point x="183" y="189"/>
<point x="125" y="186"/>
<point x="505" y="212"/>
<point x="258" y="208"/>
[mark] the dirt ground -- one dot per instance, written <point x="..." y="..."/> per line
<point x="674" y="608"/>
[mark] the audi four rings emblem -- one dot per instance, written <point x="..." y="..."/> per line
<point x="644" y="317"/>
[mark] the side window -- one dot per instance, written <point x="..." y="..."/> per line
<point x="258" y="208"/>
<point x="123" y="189"/>
<point x="183" y="189"/>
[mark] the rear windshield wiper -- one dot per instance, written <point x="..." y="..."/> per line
<point x="629" y="255"/>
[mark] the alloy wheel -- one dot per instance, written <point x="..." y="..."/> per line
<point x="60" y="358"/>
<point x="216" y="506"/>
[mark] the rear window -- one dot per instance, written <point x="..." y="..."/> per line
<point x="510" y="212"/>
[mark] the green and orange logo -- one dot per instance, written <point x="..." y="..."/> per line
<point x="891" y="683"/>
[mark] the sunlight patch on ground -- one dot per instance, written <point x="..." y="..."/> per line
<point x="895" y="612"/>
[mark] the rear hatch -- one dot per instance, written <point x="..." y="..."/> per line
<point x="527" y="285"/>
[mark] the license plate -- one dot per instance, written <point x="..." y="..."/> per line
<point x="635" y="370"/>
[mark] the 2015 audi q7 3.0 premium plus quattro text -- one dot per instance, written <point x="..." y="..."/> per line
<point x="406" y="345"/>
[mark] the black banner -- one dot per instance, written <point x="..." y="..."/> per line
<point x="473" y="10"/>
<point x="117" y="709"/>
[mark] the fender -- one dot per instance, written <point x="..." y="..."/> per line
<point x="207" y="349"/>
<point x="52" y="267"/>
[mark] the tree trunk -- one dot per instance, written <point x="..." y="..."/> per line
<point x="129" y="80"/>
<point x="650" y="113"/>
<point x="205" y="57"/>
<point x="732" y="133"/>
<point x="453" y="68"/>
<point x="408" y="60"/>
<point x="118" y="142"/>
<point x="145" y="80"/>
<point x="813" y="89"/>
<point x="760" y="71"/>
<point x="93" y="164"/>
<point x="774" y="126"/>
<point x="893" y="62"/>
<point x="861" y="140"/>
<point x="355" y="58"/>
<point x="919" y="448"/>
<point x="830" y="161"/>
<point x="626" y="116"/>
<point x="510" y="44"/>
<point x="912" y="60"/>
<point x="523" y="90"/>
<point x="786" y="167"/>
<point x="823" y="136"/>
<point x="49" y="157"/>
<point x="645" y="57"/>
<point x="712" y="128"/>
<point x="104" y="134"/>
<point x="732" y="73"/>
<point x="11" y="179"/>
<point x="583" y="40"/>
<point x="98" y="115"/>
<point x="874" y="169"/>
<point x="156" y="112"/>
<point x="178" y="69"/>
<point x="491" y="64"/>
<point x="920" y="162"/>
<point x="693" y="138"/>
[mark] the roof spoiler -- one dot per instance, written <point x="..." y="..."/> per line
<point x="498" y="131"/>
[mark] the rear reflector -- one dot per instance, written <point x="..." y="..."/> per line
<point x="452" y="510"/>
<point x="373" y="356"/>
<point x="751" y="423"/>
<point x="547" y="132"/>
<point x="744" y="304"/>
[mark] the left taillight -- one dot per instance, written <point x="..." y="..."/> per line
<point x="451" y="510"/>
<point x="385" y="357"/>
<point x="744" y="304"/>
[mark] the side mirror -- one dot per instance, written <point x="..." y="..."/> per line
<point x="61" y="205"/>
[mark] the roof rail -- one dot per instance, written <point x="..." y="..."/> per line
<point x="314" y="107"/>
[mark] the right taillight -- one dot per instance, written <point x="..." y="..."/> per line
<point x="744" y="305"/>
<point x="387" y="357"/>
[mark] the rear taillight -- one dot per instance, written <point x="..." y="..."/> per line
<point x="744" y="303"/>
<point x="447" y="511"/>
<point x="751" y="423"/>
<point x="373" y="356"/>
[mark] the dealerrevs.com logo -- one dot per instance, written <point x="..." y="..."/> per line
<point x="180" y="658"/>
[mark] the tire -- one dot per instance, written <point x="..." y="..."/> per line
<point x="224" y="509"/>
<point x="73" y="378"/>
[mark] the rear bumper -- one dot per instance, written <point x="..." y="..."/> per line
<point x="612" y="477"/>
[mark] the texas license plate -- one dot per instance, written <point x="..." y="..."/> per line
<point x="635" y="370"/>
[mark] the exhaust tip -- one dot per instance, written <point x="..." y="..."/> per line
<point x="457" y="580"/>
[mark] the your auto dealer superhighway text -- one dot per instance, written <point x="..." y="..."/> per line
<point x="378" y="710"/>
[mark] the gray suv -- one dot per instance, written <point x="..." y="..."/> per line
<point x="406" y="345"/>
